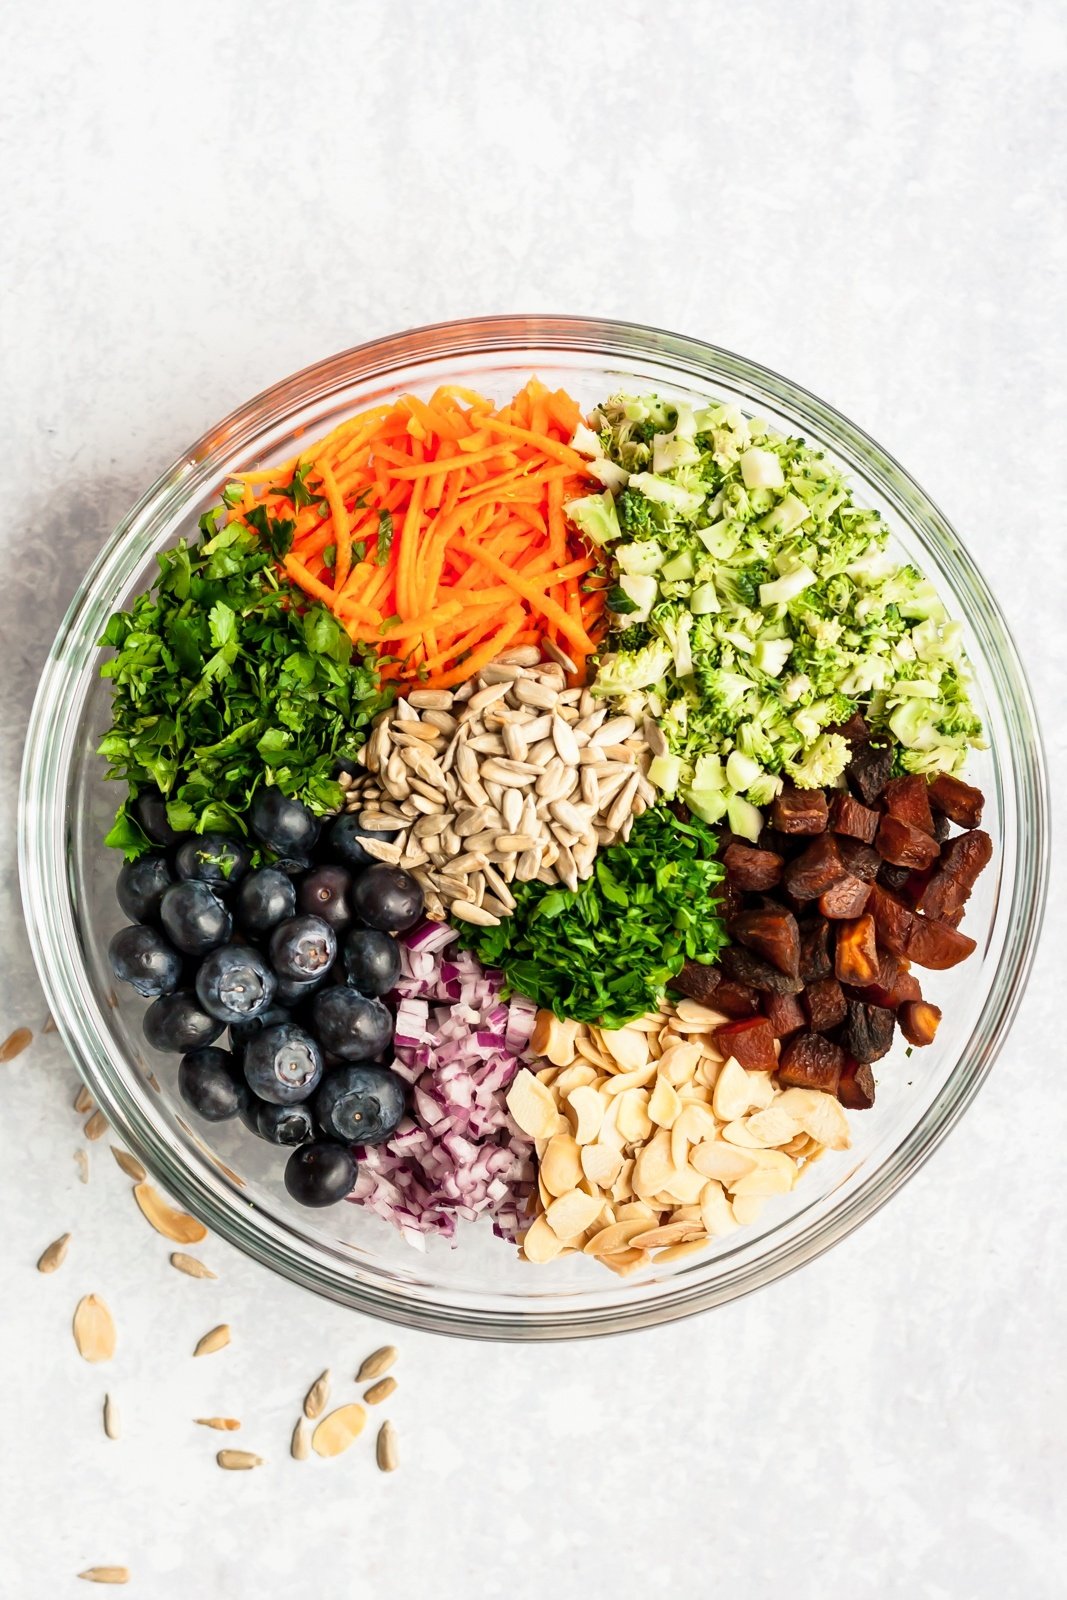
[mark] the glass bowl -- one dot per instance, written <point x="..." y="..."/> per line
<point x="232" y="1180"/>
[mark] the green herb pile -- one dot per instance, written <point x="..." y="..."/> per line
<point x="224" y="680"/>
<point x="607" y="952"/>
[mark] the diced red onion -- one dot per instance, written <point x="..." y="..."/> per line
<point x="458" y="1155"/>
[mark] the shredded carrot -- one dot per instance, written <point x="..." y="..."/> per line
<point x="448" y="525"/>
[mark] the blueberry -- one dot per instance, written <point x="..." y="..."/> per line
<point x="141" y="886"/>
<point x="282" y="1064"/>
<point x="210" y="1081"/>
<point x="263" y="899"/>
<point x="241" y="1032"/>
<point x="320" y="1174"/>
<point x="150" y="810"/>
<point x="350" y="1026"/>
<point x="387" y="898"/>
<point x="302" y="948"/>
<point x="323" y="892"/>
<point x="235" y="983"/>
<point x="372" y="960"/>
<point x="361" y="1105"/>
<point x="142" y="957"/>
<point x="345" y="839"/>
<point x="284" y="825"/>
<point x="194" y="918"/>
<point x="176" y="1022"/>
<point x="215" y="858"/>
<point x="284" y="1124"/>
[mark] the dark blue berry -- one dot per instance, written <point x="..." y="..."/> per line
<point x="284" y="825"/>
<point x="361" y="1105"/>
<point x="210" y="1081"/>
<point x="215" y="858"/>
<point x="302" y="948"/>
<point x="177" y="1022"/>
<point x="323" y="892"/>
<point x="282" y="1064"/>
<point x="235" y="983"/>
<point x="194" y="918"/>
<point x="345" y="839"/>
<point x="263" y="899"/>
<point x="241" y="1032"/>
<point x="150" y="810"/>
<point x="291" y="1125"/>
<point x="372" y="960"/>
<point x="142" y="958"/>
<point x="320" y="1174"/>
<point x="141" y="886"/>
<point x="387" y="898"/>
<point x="349" y="1025"/>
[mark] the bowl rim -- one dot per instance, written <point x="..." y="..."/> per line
<point x="41" y="825"/>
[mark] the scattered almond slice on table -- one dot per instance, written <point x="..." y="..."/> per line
<point x="340" y="1429"/>
<point x="167" y="1219"/>
<point x="94" y="1329"/>
<point x="650" y="1144"/>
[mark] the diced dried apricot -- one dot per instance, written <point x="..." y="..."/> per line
<point x="812" y="872"/>
<point x="895" y="879"/>
<point x="845" y="899"/>
<point x="958" y="800"/>
<point x="892" y="920"/>
<point x="749" y="868"/>
<point x="856" y="952"/>
<point x="936" y="945"/>
<point x="750" y="1042"/>
<point x="850" y="816"/>
<point x="744" y="966"/>
<point x="855" y="1087"/>
<point x="799" y="810"/>
<point x="773" y="934"/>
<point x="855" y="730"/>
<point x="811" y="1061"/>
<point x="904" y="845"/>
<point x="869" y="1031"/>
<point x="736" y="999"/>
<point x="824" y="1002"/>
<point x="908" y="800"/>
<point x="697" y="979"/>
<point x="919" y="1021"/>
<point x="861" y="859"/>
<point x="815" y="959"/>
<point x="784" y="1013"/>
<point x="894" y="984"/>
<point x="962" y="860"/>
<point x="869" y="770"/>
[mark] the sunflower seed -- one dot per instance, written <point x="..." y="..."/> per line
<point x="554" y="653"/>
<point x="238" y="1460"/>
<point x="300" y="1443"/>
<point x="96" y="1126"/>
<point x="220" y="1424"/>
<point x="377" y="822"/>
<point x="385" y="1451"/>
<point x="106" y="1574"/>
<point x="129" y="1164"/>
<point x="190" y="1265"/>
<point x="81" y="1161"/>
<point x="521" y="655"/>
<point x="443" y="721"/>
<point x="166" y="1219"/>
<point x="54" y="1255"/>
<point x="532" y="692"/>
<point x="84" y="1102"/>
<point x="430" y="699"/>
<point x="377" y="1363"/>
<point x="317" y="1396"/>
<point x="564" y="741"/>
<point x="215" y="1339"/>
<point x="467" y="911"/>
<point x="15" y="1044"/>
<point x="111" y="1418"/>
<point x="382" y="850"/>
<point x="94" y="1329"/>
<point x="380" y="1391"/>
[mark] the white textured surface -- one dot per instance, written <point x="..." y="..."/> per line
<point x="198" y="199"/>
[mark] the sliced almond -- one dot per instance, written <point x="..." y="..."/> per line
<point x="685" y="1186"/>
<point x="377" y="1363"/>
<point x="723" y="1162"/>
<point x="540" y="1244"/>
<point x="571" y="1214"/>
<point x="616" y="1236"/>
<point x="220" y="1424"/>
<point x="626" y="1046"/>
<point x="623" y="1262"/>
<point x="215" y="1339"/>
<point x="317" y="1396"/>
<point x="53" y="1255"/>
<point x="639" y="1078"/>
<point x="106" y="1574"/>
<point x="96" y="1126"/>
<point x="654" y="1166"/>
<point x="588" y="1108"/>
<point x="631" y="1117"/>
<point x="715" y="1211"/>
<point x="747" y="1208"/>
<point x="733" y="1092"/>
<point x="380" y="1391"/>
<point x="238" y="1460"/>
<point x="166" y="1219"/>
<point x="532" y="1106"/>
<point x="692" y="1013"/>
<point x="94" y="1329"/>
<point x="737" y="1133"/>
<point x="190" y="1265"/>
<point x="820" y="1115"/>
<point x="339" y="1430"/>
<point x="385" y="1451"/>
<point x="679" y="1062"/>
<point x="129" y="1164"/>
<point x="601" y="1164"/>
<point x="669" y="1233"/>
<point x="773" y="1127"/>
<point x="561" y="1164"/>
<point x="577" y="1076"/>
<point x="664" y="1106"/>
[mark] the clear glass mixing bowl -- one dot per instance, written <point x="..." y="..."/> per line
<point x="233" y="1181"/>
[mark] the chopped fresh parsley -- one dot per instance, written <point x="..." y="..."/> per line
<point x="385" y="537"/>
<point x="607" y="952"/>
<point x="225" y="679"/>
